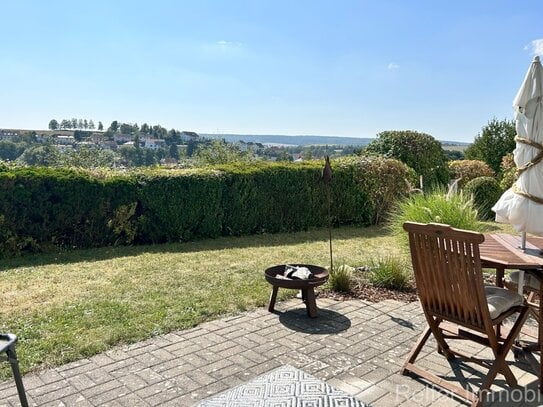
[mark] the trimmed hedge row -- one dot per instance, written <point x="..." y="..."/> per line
<point x="45" y="207"/>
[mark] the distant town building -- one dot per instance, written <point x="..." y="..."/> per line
<point x="6" y="134"/>
<point x="65" y="140"/>
<point x="189" y="136"/>
<point x="153" y="143"/>
<point x="120" y="138"/>
<point x="42" y="138"/>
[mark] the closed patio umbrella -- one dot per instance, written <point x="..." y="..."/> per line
<point x="522" y="204"/>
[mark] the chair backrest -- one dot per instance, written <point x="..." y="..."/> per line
<point x="448" y="273"/>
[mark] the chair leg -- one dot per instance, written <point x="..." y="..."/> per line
<point x="500" y="352"/>
<point x="14" y="362"/>
<point x="416" y="350"/>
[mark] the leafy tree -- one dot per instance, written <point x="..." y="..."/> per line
<point x="114" y="126"/>
<point x="496" y="140"/>
<point x="74" y="123"/>
<point x="46" y="155"/>
<point x="128" y="155"/>
<point x="173" y="151"/>
<point x="454" y="154"/>
<point x="10" y="150"/>
<point x="80" y="124"/>
<point x="53" y="125"/>
<point x="91" y="125"/>
<point x="85" y="124"/>
<point x="139" y="153"/>
<point x="65" y="124"/>
<point x="192" y="147"/>
<point x="100" y="126"/>
<point x="144" y="129"/>
<point x="149" y="157"/>
<point x="419" y="151"/>
<point x="173" y="137"/>
<point x="284" y="156"/>
<point x="126" y="128"/>
<point x="220" y="152"/>
<point x="87" y="157"/>
<point x="79" y="135"/>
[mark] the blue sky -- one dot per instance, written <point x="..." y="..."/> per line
<point x="337" y="68"/>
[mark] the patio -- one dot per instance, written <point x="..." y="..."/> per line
<point x="355" y="346"/>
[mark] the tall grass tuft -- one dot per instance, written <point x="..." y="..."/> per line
<point x="341" y="279"/>
<point x="438" y="206"/>
<point x="390" y="272"/>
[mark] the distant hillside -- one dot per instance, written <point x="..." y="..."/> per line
<point x="292" y="140"/>
<point x="312" y="140"/>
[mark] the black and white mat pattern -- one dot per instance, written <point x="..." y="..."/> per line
<point x="285" y="386"/>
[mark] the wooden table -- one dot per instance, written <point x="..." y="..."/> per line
<point x="502" y="251"/>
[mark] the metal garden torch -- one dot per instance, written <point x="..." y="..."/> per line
<point x="327" y="179"/>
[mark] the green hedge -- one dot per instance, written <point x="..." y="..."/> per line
<point x="41" y="208"/>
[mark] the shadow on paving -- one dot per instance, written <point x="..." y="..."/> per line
<point x="465" y="375"/>
<point x="327" y="321"/>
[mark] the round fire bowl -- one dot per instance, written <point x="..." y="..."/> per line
<point x="274" y="274"/>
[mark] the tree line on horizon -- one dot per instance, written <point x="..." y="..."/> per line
<point x="492" y="145"/>
<point x="74" y="124"/>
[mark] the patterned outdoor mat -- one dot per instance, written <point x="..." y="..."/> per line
<point x="285" y="386"/>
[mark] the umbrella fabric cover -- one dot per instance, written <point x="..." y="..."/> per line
<point x="522" y="205"/>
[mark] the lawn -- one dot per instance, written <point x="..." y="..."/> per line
<point x="70" y="305"/>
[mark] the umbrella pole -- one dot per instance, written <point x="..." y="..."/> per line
<point x="523" y="240"/>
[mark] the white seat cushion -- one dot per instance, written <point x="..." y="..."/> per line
<point x="501" y="300"/>
<point x="529" y="280"/>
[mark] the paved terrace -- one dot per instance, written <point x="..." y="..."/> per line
<point x="355" y="346"/>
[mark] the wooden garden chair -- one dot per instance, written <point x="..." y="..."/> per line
<point x="457" y="305"/>
<point x="531" y="288"/>
<point x="7" y="351"/>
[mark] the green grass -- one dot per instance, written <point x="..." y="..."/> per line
<point x="75" y="304"/>
<point x="71" y="305"/>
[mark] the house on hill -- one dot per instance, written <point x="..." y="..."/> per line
<point x="64" y="140"/>
<point x="189" y="136"/>
<point x="121" y="138"/>
<point x="6" y="134"/>
<point x="153" y="143"/>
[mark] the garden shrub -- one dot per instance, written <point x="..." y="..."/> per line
<point x="466" y="170"/>
<point x="419" y="151"/>
<point x="485" y="191"/>
<point x="381" y="182"/>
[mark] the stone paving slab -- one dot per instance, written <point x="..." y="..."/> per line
<point x="355" y="346"/>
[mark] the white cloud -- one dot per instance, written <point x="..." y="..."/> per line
<point x="393" y="66"/>
<point x="227" y="45"/>
<point x="536" y="47"/>
<point x="223" y="48"/>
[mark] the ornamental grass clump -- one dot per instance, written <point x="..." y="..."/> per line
<point x="341" y="279"/>
<point x="390" y="272"/>
<point x="438" y="206"/>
